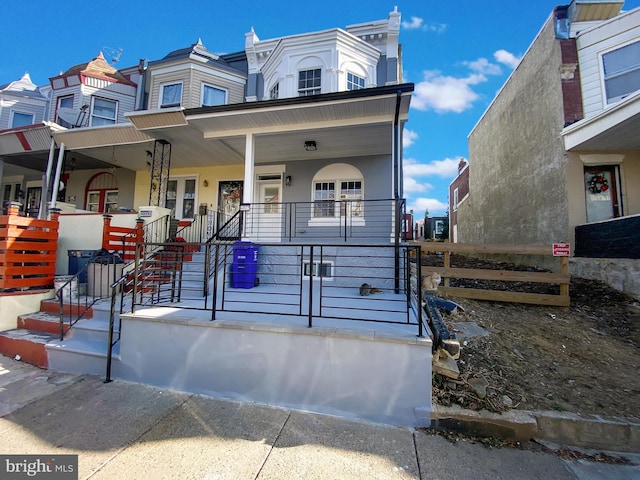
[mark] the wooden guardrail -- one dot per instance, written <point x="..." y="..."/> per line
<point x="122" y="239"/>
<point x="27" y="251"/>
<point x="448" y="272"/>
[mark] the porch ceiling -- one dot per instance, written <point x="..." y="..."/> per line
<point x="614" y="129"/>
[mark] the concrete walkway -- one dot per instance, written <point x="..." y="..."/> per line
<point x="124" y="430"/>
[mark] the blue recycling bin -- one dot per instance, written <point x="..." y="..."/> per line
<point x="245" y="265"/>
<point x="79" y="259"/>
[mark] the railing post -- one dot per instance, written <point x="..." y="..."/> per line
<point x="106" y="231"/>
<point x="419" y="287"/>
<point x="310" y="284"/>
<point x="112" y="314"/>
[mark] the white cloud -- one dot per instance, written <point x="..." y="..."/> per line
<point x="447" y="168"/>
<point x="414" y="24"/>
<point x="444" y="93"/>
<point x="408" y="137"/>
<point x="484" y="67"/>
<point x="411" y="185"/>
<point x="507" y="58"/>
<point x="419" y="205"/>
<point x="417" y="23"/>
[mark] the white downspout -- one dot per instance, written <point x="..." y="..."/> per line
<point x="56" y="181"/>
<point x="46" y="181"/>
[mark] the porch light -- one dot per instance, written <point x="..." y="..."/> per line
<point x="310" y="146"/>
<point x="287" y="180"/>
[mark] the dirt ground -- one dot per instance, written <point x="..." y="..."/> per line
<point x="582" y="359"/>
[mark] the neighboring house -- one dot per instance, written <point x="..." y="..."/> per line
<point x="22" y="103"/>
<point x="458" y="193"/>
<point x="558" y="150"/>
<point x="436" y="228"/>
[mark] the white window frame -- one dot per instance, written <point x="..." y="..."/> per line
<point x="181" y="196"/>
<point x="307" y="90"/>
<point x="355" y="82"/>
<point x="161" y="96"/>
<point x="59" y="105"/>
<point x="634" y="68"/>
<point x="26" y="114"/>
<point x="274" y="92"/>
<point x="224" y="91"/>
<point x="438" y="227"/>
<point x="107" y="120"/>
<point x="315" y="271"/>
<point x="455" y="199"/>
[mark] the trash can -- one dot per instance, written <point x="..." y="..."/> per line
<point x="244" y="268"/>
<point x="78" y="259"/>
<point x="102" y="272"/>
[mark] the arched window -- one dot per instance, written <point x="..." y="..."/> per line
<point x="337" y="191"/>
<point x="101" y="193"/>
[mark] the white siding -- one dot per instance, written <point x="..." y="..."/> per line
<point x="591" y="45"/>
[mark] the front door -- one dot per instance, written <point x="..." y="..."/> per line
<point x="229" y="199"/>
<point x="601" y="193"/>
<point x="267" y="211"/>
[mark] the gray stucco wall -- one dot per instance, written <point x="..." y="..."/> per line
<point x="517" y="161"/>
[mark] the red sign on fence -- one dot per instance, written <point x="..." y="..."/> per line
<point x="561" y="249"/>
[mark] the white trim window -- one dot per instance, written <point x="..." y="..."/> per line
<point x="320" y="270"/>
<point x="181" y="196"/>
<point x="309" y="82"/>
<point x="621" y="69"/>
<point x="20" y="119"/>
<point x="354" y="82"/>
<point x="64" y="102"/>
<point x="103" y="111"/>
<point x="274" y="93"/>
<point x="212" y="96"/>
<point x="455" y="199"/>
<point x="337" y="193"/>
<point x="171" y="95"/>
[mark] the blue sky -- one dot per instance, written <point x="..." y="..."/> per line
<point x="458" y="54"/>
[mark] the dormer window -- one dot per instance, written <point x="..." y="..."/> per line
<point x="274" y="92"/>
<point x="103" y="112"/>
<point x="621" y="71"/>
<point x="309" y="82"/>
<point x="354" y="82"/>
<point x="21" y="119"/>
<point x="213" y="96"/>
<point x="171" y="95"/>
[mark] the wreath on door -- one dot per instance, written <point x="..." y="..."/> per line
<point x="598" y="183"/>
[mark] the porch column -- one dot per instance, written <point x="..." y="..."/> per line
<point x="249" y="157"/>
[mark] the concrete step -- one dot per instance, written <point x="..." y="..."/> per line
<point x="42" y="322"/>
<point x="75" y="355"/>
<point x="53" y="306"/>
<point x="27" y="345"/>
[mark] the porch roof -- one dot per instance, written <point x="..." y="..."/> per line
<point x="342" y="124"/>
<point x="614" y="129"/>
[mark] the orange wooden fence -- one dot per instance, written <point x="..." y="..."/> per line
<point x="122" y="239"/>
<point x="27" y="251"/>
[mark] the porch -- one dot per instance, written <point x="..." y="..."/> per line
<point x="302" y="336"/>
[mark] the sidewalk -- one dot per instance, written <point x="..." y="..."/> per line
<point x="125" y="430"/>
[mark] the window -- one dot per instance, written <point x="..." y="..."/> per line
<point x="322" y="270"/>
<point x="455" y="199"/>
<point x="354" y="82"/>
<point x="439" y="227"/>
<point x="213" y="96"/>
<point x="337" y="192"/>
<point x="274" y="92"/>
<point x="621" y="71"/>
<point x="21" y="119"/>
<point x="309" y="82"/>
<point x="181" y="197"/>
<point x="64" y="102"/>
<point x="103" y="112"/>
<point x="324" y="199"/>
<point x="171" y="95"/>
